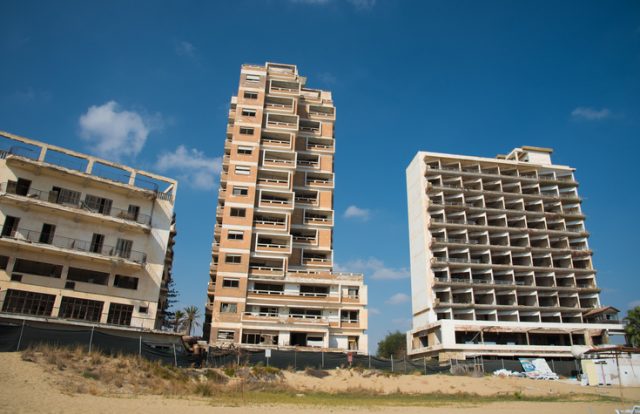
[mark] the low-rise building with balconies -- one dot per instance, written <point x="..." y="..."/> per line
<point x="82" y="239"/>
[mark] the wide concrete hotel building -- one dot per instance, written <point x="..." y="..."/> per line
<point x="500" y="259"/>
<point x="84" y="240"/>
<point x="271" y="279"/>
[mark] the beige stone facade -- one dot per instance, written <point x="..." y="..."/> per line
<point x="271" y="279"/>
<point x="83" y="239"/>
<point x="500" y="259"/>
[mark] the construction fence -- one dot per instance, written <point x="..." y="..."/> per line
<point x="18" y="335"/>
<point x="299" y="360"/>
<point x="166" y="348"/>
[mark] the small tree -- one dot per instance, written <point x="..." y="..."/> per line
<point x="178" y="320"/>
<point x="192" y="314"/>
<point x="632" y="328"/>
<point x="168" y="315"/>
<point x="395" y="343"/>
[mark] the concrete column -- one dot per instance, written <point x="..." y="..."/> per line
<point x="43" y="153"/>
<point x="132" y="177"/>
<point x="89" y="168"/>
<point x="56" y="306"/>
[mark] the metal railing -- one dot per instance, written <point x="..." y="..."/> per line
<point x="67" y="243"/>
<point x="56" y="197"/>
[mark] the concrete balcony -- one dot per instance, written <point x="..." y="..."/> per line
<point x="38" y="241"/>
<point x="53" y="199"/>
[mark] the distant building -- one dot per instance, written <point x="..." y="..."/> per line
<point x="271" y="279"/>
<point x="83" y="239"/>
<point x="500" y="260"/>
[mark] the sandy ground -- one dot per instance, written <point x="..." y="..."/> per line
<point x="27" y="388"/>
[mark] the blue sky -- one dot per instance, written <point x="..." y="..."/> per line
<point x="148" y="83"/>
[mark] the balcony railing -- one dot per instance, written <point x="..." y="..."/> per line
<point x="265" y="268"/>
<point x="67" y="243"/>
<point x="500" y="176"/>
<point x="455" y="260"/>
<point x="55" y="197"/>
<point x="479" y="281"/>
<point x="272" y="245"/>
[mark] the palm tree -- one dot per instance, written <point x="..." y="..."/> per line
<point x="632" y="329"/>
<point x="178" y="320"/>
<point x="191" y="318"/>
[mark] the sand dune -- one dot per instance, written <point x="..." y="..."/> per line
<point x="27" y="387"/>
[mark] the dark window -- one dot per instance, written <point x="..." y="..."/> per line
<point x="46" y="236"/>
<point x="246" y="131"/>
<point x="123" y="248"/>
<point x="28" y="303"/>
<point x="240" y="191"/>
<point x="20" y="187"/>
<point x="88" y="276"/>
<point x="70" y="285"/>
<point x="97" y="241"/>
<point x="63" y="196"/>
<point x="37" y="268"/>
<point x="349" y="316"/>
<point x="16" y="277"/>
<point x="244" y="150"/>
<point x="238" y="212"/>
<point x="314" y="290"/>
<point x="126" y="282"/>
<point x="250" y="95"/>
<point x="235" y="235"/>
<point x="4" y="260"/>
<point x="233" y="259"/>
<point x="81" y="309"/>
<point x="10" y="226"/>
<point x="120" y="314"/>
<point x="143" y="309"/>
<point x="230" y="283"/>
<point x="98" y="204"/>
<point x="248" y="112"/>
<point x="133" y="212"/>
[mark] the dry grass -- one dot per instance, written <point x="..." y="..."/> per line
<point x="77" y="371"/>
<point x="81" y="372"/>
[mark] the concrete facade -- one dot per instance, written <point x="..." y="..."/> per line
<point x="82" y="239"/>
<point x="271" y="279"/>
<point x="500" y="260"/>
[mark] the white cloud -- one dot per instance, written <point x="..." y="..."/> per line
<point x="590" y="114"/>
<point x="374" y="268"/>
<point x="633" y="304"/>
<point x="114" y="133"/>
<point x="356" y="212"/>
<point x="374" y="311"/>
<point x="184" y="48"/>
<point x="192" y="166"/>
<point x="397" y="299"/>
